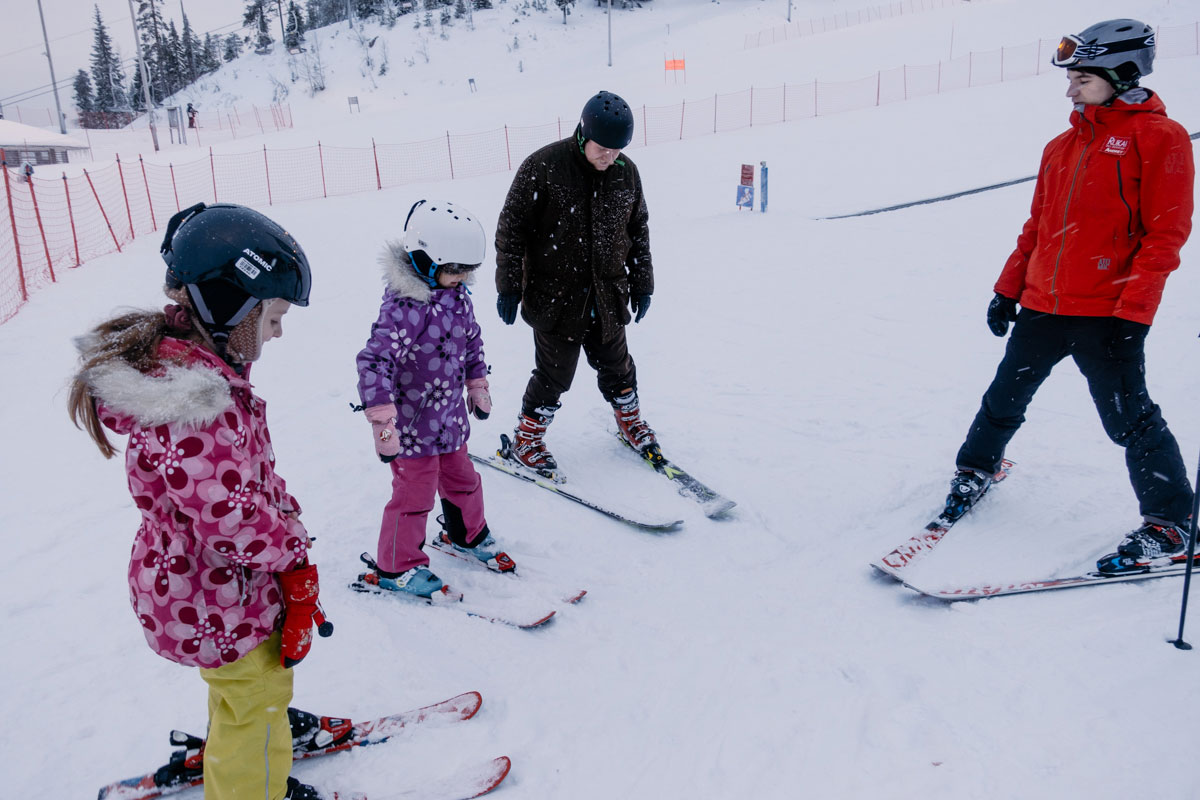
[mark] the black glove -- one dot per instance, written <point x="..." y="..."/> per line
<point x="506" y="305"/>
<point x="640" y="303"/>
<point x="1001" y="311"/>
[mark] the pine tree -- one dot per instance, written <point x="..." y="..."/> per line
<point x="232" y="47"/>
<point x="137" y="95"/>
<point x="83" y="91"/>
<point x="294" y="26"/>
<point x="191" y="58"/>
<point x="173" y="68"/>
<point x="152" y="32"/>
<point x="107" y="76"/>
<point x="255" y="19"/>
<point x="210" y="54"/>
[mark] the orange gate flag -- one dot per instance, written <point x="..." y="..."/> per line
<point x="673" y="64"/>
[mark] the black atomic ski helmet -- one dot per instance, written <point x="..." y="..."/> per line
<point x="607" y="120"/>
<point x="1119" y="50"/>
<point x="230" y="258"/>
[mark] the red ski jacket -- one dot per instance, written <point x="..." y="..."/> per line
<point x="1111" y="210"/>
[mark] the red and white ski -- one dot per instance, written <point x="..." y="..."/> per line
<point x="895" y="562"/>
<point x="186" y="766"/>
<point x="436" y="543"/>
<point x="1046" y="584"/>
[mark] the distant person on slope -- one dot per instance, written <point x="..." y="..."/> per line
<point x="573" y="250"/>
<point x="219" y="576"/>
<point x="425" y="350"/>
<point x="1111" y="209"/>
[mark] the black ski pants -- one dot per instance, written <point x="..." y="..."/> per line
<point x="1115" y="369"/>
<point x="555" y="359"/>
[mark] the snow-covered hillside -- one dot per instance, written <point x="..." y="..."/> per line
<point x="821" y="373"/>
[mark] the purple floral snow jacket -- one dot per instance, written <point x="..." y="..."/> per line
<point x="423" y="348"/>
<point x="217" y="521"/>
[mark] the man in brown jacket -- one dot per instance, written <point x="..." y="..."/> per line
<point x="573" y="250"/>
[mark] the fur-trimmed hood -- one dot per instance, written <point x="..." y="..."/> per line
<point x="193" y="386"/>
<point x="402" y="279"/>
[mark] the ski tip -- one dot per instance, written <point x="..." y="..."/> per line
<point x="719" y="510"/>
<point x="495" y="773"/>
<point x="538" y="622"/>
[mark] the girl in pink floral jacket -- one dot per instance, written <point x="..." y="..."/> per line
<point x="218" y="576"/>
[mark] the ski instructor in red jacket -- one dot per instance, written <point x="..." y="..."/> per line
<point x="1111" y="210"/>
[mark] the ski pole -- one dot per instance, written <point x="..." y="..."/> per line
<point x="1187" y="575"/>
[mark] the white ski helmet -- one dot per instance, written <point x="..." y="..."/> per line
<point x="1119" y="50"/>
<point x="443" y="235"/>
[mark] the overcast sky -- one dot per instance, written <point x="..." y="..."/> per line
<point x="23" y="66"/>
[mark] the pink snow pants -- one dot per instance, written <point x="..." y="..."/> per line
<point x="415" y="483"/>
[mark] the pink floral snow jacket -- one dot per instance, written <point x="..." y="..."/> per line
<point x="216" y="519"/>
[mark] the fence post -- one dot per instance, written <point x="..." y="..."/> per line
<point x="559" y="120"/>
<point x="1037" y="70"/>
<point x="267" y="169"/>
<point x="321" y="158"/>
<point x="906" y="81"/>
<point x="12" y="219"/>
<point x="785" y="101"/>
<point x="213" y="168"/>
<point x="149" y="201"/>
<point x="970" y="67"/>
<point x="751" y="106"/>
<point x="682" y="116"/>
<point x="375" y="154"/>
<point x="450" y="155"/>
<point x="103" y="213"/>
<point x="816" y="110"/>
<point x="714" y="118"/>
<point x="174" y="188"/>
<point x="878" y="84"/>
<point x="1002" y="63"/>
<point x="37" y="214"/>
<point x="645" y="133"/>
<point x="71" y="218"/>
<point x="125" y="194"/>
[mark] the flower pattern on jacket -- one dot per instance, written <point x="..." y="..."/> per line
<point x="423" y="348"/>
<point x="217" y="521"/>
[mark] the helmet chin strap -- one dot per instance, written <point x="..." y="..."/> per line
<point x="219" y="331"/>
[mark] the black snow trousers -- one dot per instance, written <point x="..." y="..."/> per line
<point x="556" y="357"/>
<point x="1115" y="369"/>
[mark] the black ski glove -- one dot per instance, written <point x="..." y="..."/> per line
<point x="506" y="305"/>
<point x="1001" y="311"/>
<point x="640" y="303"/>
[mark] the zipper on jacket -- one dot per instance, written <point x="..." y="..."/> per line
<point x="1066" y="211"/>
<point x="1121" y="194"/>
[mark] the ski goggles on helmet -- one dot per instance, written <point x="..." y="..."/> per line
<point x="1072" y="50"/>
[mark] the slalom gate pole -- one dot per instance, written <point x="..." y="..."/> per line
<point x="1187" y="576"/>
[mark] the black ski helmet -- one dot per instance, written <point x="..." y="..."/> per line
<point x="230" y="258"/>
<point x="607" y="120"/>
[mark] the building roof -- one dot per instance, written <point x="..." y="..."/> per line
<point x="15" y="134"/>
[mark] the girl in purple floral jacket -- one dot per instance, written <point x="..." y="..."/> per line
<point x="424" y="351"/>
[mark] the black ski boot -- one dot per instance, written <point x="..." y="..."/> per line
<point x="966" y="487"/>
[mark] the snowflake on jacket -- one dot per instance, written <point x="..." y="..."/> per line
<point x="217" y="521"/>
<point x="422" y="350"/>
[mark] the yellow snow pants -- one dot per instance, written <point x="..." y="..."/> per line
<point x="249" y="751"/>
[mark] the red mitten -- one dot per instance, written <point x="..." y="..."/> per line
<point x="479" y="401"/>
<point x="383" y="425"/>
<point x="301" y="608"/>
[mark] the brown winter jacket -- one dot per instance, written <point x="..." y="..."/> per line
<point x="571" y="239"/>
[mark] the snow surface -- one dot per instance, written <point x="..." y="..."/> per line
<point x="820" y="373"/>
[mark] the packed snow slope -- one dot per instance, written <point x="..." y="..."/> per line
<point x="821" y="373"/>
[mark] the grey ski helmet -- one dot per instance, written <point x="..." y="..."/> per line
<point x="230" y="258"/>
<point x="1119" y="50"/>
<point x="607" y="120"/>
